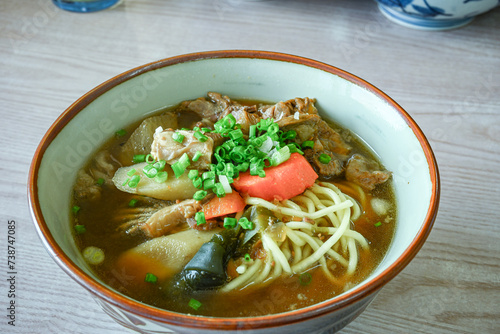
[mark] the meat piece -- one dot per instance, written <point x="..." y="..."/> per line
<point x="141" y="139"/>
<point x="289" y="108"/>
<point x="164" y="147"/>
<point x="365" y="172"/>
<point x="331" y="169"/>
<point x="102" y="167"/>
<point x="170" y="217"/>
<point x="203" y="108"/>
<point x="326" y="141"/>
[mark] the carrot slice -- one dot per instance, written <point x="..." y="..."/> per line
<point x="222" y="206"/>
<point x="281" y="182"/>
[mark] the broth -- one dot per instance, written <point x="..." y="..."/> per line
<point x="104" y="216"/>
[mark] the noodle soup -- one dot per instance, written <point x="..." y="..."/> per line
<point x="234" y="208"/>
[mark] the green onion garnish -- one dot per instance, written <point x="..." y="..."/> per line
<point x="177" y="137"/>
<point x="208" y="175"/>
<point x="138" y="158"/>
<point x="194" y="304"/>
<point x="200" y="218"/>
<point x="159" y="165"/>
<point x="230" y="222"/>
<point x="134" y="181"/>
<point x="80" y="229"/>
<point x="305" y="279"/>
<point x="209" y="184"/>
<point x="247" y="257"/>
<point x="193" y="173"/>
<point x="133" y="202"/>
<point x="199" y="195"/>
<point x="150" y="171"/>
<point x="151" y="278"/>
<point x="245" y="223"/>
<point x="161" y="177"/>
<point x="219" y="190"/>
<point x="125" y="183"/>
<point x="100" y="181"/>
<point x="308" y="144"/>
<point x="180" y="166"/>
<point x="75" y="209"/>
<point x="131" y="172"/>
<point x="149" y="159"/>
<point x="197" y="182"/>
<point x="324" y="158"/>
<point x="200" y="136"/>
<point x="121" y="133"/>
<point x="377" y="224"/>
<point x="197" y="156"/>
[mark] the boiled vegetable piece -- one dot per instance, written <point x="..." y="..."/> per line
<point x="281" y="182"/>
<point x="221" y="206"/>
<point x="164" y="256"/>
<point x="172" y="189"/>
<point x="141" y="139"/>
<point x="207" y="268"/>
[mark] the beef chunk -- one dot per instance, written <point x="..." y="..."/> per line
<point x="365" y="172"/>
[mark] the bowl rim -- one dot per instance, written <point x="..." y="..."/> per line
<point x="203" y="322"/>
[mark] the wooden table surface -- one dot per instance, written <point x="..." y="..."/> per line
<point x="448" y="81"/>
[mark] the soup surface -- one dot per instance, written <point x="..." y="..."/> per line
<point x="320" y="229"/>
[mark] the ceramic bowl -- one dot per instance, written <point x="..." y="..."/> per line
<point x="434" y="14"/>
<point x="341" y="96"/>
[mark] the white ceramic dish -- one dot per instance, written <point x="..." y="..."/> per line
<point x="347" y="99"/>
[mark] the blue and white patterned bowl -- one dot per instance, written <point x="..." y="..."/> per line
<point x="434" y="14"/>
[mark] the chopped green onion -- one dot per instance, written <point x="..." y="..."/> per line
<point x="93" y="255"/>
<point x="245" y="223"/>
<point x="193" y="173"/>
<point x="308" y="144"/>
<point x="197" y="182"/>
<point x="197" y="156"/>
<point x="206" y="129"/>
<point x="149" y="159"/>
<point x="230" y="222"/>
<point x="219" y="190"/>
<point x="180" y="166"/>
<point x="150" y="171"/>
<point x="125" y="183"/>
<point x="75" y="209"/>
<point x="199" y="195"/>
<point x="100" y="181"/>
<point x="236" y="135"/>
<point x="324" y="158"/>
<point x="252" y="132"/>
<point x="247" y="257"/>
<point x="305" y="279"/>
<point x="121" y="133"/>
<point x="280" y="156"/>
<point x="133" y="202"/>
<point x="131" y="172"/>
<point x="194" y="304"/>
<point x="161" y="177"/>
<point x="80" y="229"/>
<point x="139" y="158"/>
<point x="159" y="165"/>
<point x="289" y="135"/>
<point x="208" y="175"/>
<point x="200" y="218"/>
<point x="151" y="278"/>
<point x="134" y="181"/>
<point x="377" y="224"/>
<point x="177" y="137"/>
<point x="200" y="136"/>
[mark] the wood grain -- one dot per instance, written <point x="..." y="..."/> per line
<point x="449" y="82"/>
